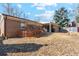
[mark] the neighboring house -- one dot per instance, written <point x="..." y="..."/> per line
<point x="72" y="27"/>
<point x="77" y="27"/>
<point x="9" y="25"/>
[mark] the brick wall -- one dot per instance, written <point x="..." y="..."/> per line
<point x="11" y="28"/>
<point x="11" y="25"/>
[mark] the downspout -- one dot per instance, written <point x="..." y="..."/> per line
<point x="5" y="26"/>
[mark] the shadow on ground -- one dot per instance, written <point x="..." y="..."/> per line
<point x="61" y="30"/>
<point x="29" y="47"/>
<point x="46" y="34"/>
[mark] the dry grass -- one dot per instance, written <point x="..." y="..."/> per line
<point x="57" y="44"/>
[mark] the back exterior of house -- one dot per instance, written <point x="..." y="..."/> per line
<point x="10" y="25"/>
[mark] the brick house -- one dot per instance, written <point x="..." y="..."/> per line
<point x="10" y="24"/>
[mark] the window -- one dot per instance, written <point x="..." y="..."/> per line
<point x="32" y="27"/>
<point x="22" y="26"/>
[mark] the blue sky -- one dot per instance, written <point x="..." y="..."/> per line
<point x="42" y="11"/>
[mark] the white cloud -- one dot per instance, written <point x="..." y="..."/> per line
<point x="71" y="3"/>
<point x="42" y="6"/>
<point x="36" y="15"/>
<point x="28" y="13"/>
<point x="49" y="12"/>
<point x="19" y="5"/>
<point x="47" y="15"/>
<point x="70" y="9"/>
<point x="49" y="4"/>
<point x="38" y="4"/>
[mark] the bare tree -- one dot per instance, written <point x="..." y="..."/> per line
<point x="10" y="10"/>
<point x="18" y="12"/>
<point x="25" y="15"/>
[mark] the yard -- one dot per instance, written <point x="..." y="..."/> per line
<point x="53" y="44"/>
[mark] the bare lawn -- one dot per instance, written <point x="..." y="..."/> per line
<point x="52" y="45"/>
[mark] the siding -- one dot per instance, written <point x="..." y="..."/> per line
<point x="11" y="28"/>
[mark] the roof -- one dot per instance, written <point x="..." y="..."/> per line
<point x="21" y="19"/>
<point x="51" y="24"/>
